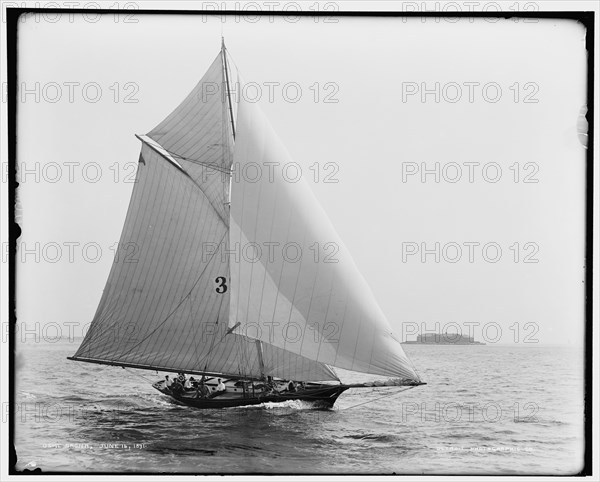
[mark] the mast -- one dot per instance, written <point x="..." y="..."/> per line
<point x="224" y="55"/>
<point x="261" y="362"/>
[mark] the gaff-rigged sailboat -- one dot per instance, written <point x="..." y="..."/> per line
<point x="230" y="274"/>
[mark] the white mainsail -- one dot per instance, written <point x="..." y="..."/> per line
<point x="189" y="299"/>
<point x="160" y="308"/>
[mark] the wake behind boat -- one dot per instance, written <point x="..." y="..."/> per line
<point x="205" y="294"/>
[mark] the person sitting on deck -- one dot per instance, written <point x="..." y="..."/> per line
<point x="189" y="383"/>
<point x="202" y="391"/>
<point x="168" y="381"/>
<point x="291" y="386"/>
<point x="177" y="386"/>
<point x="271" y="386"/>
<point x="221" y="386"/>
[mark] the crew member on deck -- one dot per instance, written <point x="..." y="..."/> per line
<point x="271" y="387"/>
<point x="202" y="391"/>
<point x="177" y="386"/>
<point x="221" y="386"/>
<point x="291" y="386"/>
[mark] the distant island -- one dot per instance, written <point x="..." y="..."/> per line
<point x="443" y="339"/>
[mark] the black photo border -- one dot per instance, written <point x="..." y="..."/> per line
<point x="586" y="18"/>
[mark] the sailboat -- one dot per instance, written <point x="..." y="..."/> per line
<point x="231" y="279"/>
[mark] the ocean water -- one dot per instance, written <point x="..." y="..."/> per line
<point x="485" y="410"/>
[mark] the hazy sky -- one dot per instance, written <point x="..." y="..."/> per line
<point x="509" y="95"/>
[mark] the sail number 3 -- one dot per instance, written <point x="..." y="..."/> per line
<point x="221" y="286"/>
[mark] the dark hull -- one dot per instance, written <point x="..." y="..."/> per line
<point x="323" y="396"/>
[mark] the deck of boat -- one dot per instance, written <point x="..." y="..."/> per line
<point x="236" y="395"/>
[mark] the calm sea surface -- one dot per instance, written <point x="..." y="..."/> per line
<point x="486" y="409"/>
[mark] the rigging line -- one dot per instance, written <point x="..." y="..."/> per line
<point x="408" y="359"/>
<point x="192" y="320"/>
<point x="214" y="344"/>
<point x="186" y="174"/>
<point x="177" y="306"/>
<point x="235" y="65"/>
<point x="228" y="89"/>
<point x="212" y="165"/>
<point x="412" y="365"/>
<point x="379" y="398"/>
<point x="332" y="369"/>
<point x="139" y="375"/>
<point x="414" y="368"/>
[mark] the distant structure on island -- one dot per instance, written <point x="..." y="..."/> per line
<point x="443" y="339"/>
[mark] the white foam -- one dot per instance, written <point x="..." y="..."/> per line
<point x="293" y="404"/>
